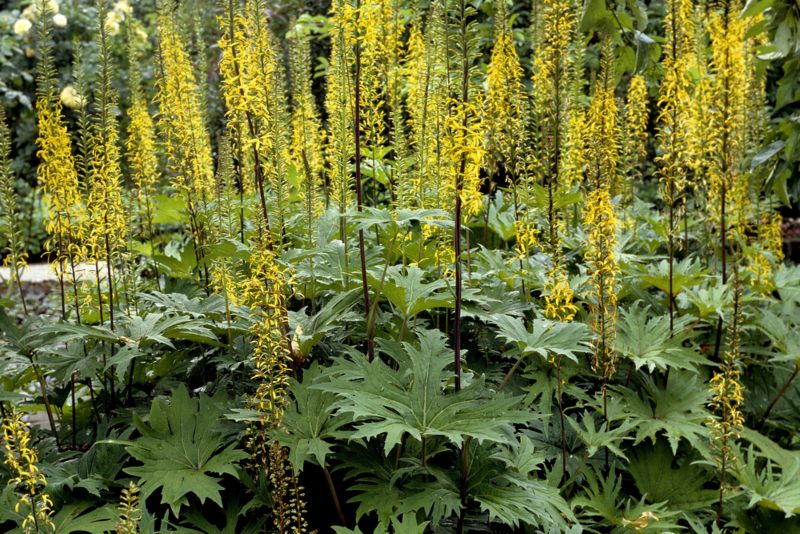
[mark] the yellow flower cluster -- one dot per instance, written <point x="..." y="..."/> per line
<point x="181" y="117"/>
<point x="505" y="108"/>
<point x="307" y="136"/>
<point x="727" y="183"/>
<point x="558" y="295"/>
<point x="726" y="387"/>
<point x="272" y="356"/>
<point x="224" y="280"/>
<point x="11" y="225"/>
<point x="27" y="479"/>
<point x="527" y="238"/>
<point x="464" y="147"/>
<point x="107" y="218"/>
<point x="551" y="83"/>
<point x="600" y="223"/>
<point x="675" y="115"/>
<point x="634" y="143"/>
<point x="766" y="253"/>
<point x="59" y="180"/>
<point x="129" y="512"/>
<point x="417" y="73"/>
<point x="377" y="42"/>
<point x="602" y="129"/>
<point x="339" y="106"/>
<point x="141" y="154"/>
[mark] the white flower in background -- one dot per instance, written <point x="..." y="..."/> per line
<point x="123" y="7"/>
<point x="71" y="98"/>
<point x="113" y="20"/>
<point x="53" y="6"/>
<point x="112" y="28"/>
<point x="22" y="26"/>
<point x="59" y="20"/>
<point x="28" y="12"/>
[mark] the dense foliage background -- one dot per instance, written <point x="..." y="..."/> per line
<point x="392" y="266"/>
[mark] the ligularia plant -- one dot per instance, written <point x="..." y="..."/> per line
<point x="390" y="266"/>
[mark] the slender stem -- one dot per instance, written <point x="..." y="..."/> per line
<point x="721" y="503"/>
<point x="459" y="184"/>
<point x="74" y="415"/>
<point x="335" y="496"/>
<point x="359" y="188"/>
<point x="780" y="393"/>
<point x="48" y="408"/>
<point x="671" y="254"/>
<point x="560" y="399"/>
<point x="510" y="373"/>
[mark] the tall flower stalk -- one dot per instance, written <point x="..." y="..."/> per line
<point x="600" y="222"/>
<point x="339" y="109"/>
<point x="634" y="136"/>
<point x="182" y="123"/>
<point x="107" y="220"/>
<point x="57" y="173"/>
<point x="33" y="503"/>
<point x="727" y="183"/>
<point x="263" y="292"/>
<point x="558" y="140"/>
<point x="141" y="153"/>
<point x="13" y="240"/>
<point x="675" y="116"/>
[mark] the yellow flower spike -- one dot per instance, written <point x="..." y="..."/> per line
<point x="600" y="222"/>
<point x="417" y="74"/>
<point x="464" y="140"/>
<point x="726" y="387"/>
<point x="130" y="513"/>
<point x="28" y="481"/>
<point x="634" y="144"/>
<point x="559" y="297"/>
<point x="338" y="105"/>
<point x="307" y="136"/>
<point x="727" y="184"/>
<point x="505" y="101"/>
<point x="181" y="119"/>
<point x="602" y="128"/>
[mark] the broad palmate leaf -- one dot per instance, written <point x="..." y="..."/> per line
<point x="545" y="337"/>
<point x="392" y="403"/>
<point x="648" y="342"/>
<point x="180" y="449"/>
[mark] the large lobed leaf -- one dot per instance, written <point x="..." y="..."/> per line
<point x="181" y="451"/>
<point x="387" y="403"/>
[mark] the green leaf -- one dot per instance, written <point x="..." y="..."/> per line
<point x="309" y="331"/>
<point x="308" y="427"/>
<point x="681" y="486"/>
<point x="180" y="450"/>
<point x="776" y="485"/>
<point x="595" y="438"/>
<point x="78" y="517"/>
<point x="546" y="337"/>
<point x="412" y="401"/>
<point x="783" y="333"/>
<point x="676" y="409"/>
<point x="406" y="290"/>
<point x="647" y="341"/>
<point x="685" y="274"/>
